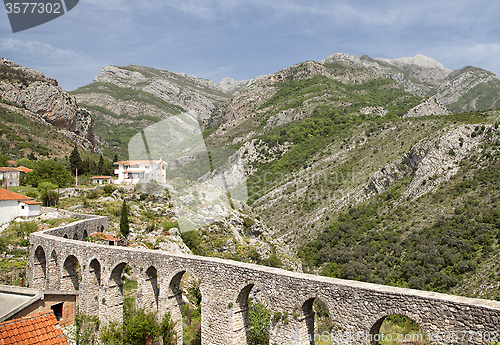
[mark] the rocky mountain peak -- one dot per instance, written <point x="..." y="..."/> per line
<point x="417" y="60"/>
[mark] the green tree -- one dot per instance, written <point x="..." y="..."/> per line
<point x="75" y="161"/>
<point x="48" y="193"/>
<point x="3" y="160"/>
<point x="258" y="323"/>
<point x="49" y="171"/>
<point x="139" y="326"/>
<point x="124" y="225"/>
<point x="25" y="162"/>
<point x="100" y="166"/>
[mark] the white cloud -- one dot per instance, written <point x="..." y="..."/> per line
<point x="48" y="59"/>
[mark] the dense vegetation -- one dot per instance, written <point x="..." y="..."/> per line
<point x="381" y="241"/>
<point x="11" y="143"/>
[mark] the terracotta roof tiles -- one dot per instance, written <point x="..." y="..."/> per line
<point x="41" y="329"/>
<point x="108" y="237"/>
<point x="21" y="169"/>
<point x="8" y="195"/>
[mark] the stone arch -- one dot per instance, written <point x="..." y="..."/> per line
<point x="39" y="273"/>
<point x="102" y="228"/>
<point x="375" y="328"/>
<point x="240" y="315"/>
<point x="149" y="290"/>
<point x="93" y="287"/>
<point x="113" y="301"/>
<point x="65" y="236"/>
<point x="308" y="318"/>
<point x="71" y="275"/>
<point x="75" y="236"/>
<point x="85" y="234"/>
<point x="53" y="272"/>
<point x="174" y="302"/>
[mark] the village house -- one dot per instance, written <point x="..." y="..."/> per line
<point x="141" y="171"/>
<point x="101" y="179"/>
<point x="10" y="176"/>
<point x="110" y="240"/>
<point x="13" y="205"/>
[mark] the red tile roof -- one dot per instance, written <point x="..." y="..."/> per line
<point x="41" y="329"/>
<point x="136" y="162"/>
<point x="21" y="169"/>
<point x="24" y="169"/>
<point x="108" y="237"/>
<point x="100" y="177"/>
<point x="31" y="202"/>
<point x="8" y="195"/>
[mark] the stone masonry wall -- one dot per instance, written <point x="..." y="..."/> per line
<point x="357" y="309"/>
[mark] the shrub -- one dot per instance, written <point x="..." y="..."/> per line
<point x="169" y="224"/>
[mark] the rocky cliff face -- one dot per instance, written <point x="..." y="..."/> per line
<point x="469" y="88"/>
<point x="30" y="90"/>
<point x="244" y="109"/>
<point x="127" y="99"/>
<point x="428" y="107"/>
<point x="466" y="89"/>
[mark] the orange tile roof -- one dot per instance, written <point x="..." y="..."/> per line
<point x="135" y="162"/>
<point x="107" y="236"/>
<point x="8" y="195"/>
<point x="24" y="169"/>
<point x="21" y="169"/>
<point x="41" y="329"/>
<point x="100" y="177"/>
<point x="31" y="202"/>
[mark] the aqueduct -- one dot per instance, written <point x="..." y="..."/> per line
<point x="60" y="259"/>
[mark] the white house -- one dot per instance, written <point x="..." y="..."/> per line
<point x="101" y="179"/>
<point x="13" y="205"/>
<point x="132" y="172"/>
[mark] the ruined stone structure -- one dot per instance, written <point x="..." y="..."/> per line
<point x="60" y="259"/>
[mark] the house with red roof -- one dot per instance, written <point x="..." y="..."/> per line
<point x="40" y="329"/>
<point x="101" y="179"/>
<point x="101" y="237"/>
<point x="11" y="176"/>
<point x="13" y="205"/>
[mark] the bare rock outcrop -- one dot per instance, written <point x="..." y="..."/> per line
<point x="429" y="107"/>
<point x="30" y="90"/>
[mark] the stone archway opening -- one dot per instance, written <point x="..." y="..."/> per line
<point x="120" y="292"/>
<point x="65" y="236"/>
<point x="75" y="236"/>
<point x="85" y="234"/>
<point x="93" y="287"/>
<point x="397" y="329"/>
<point x="39" y="269"/>
<point x="250" y="318"/>
<point x="149" y="290"/>
<point x="184" y="304"/>
<point x="316" y="322"/>
<point x="72" y="275"/>
<point x="241" y="316"/>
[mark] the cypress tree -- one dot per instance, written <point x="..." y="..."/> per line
<point x="124" y="227"/>
<point x="75" y="161"/>
<point x="100" y="166"/>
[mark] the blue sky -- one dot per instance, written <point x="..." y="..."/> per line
<point x="242" y="39"/>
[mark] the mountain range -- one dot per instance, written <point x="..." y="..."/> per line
<point x="343" y="158"/>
